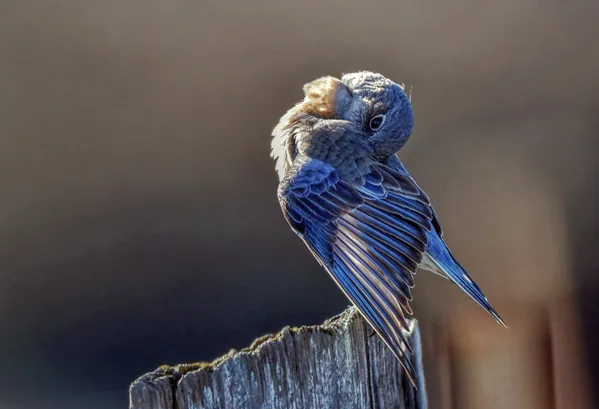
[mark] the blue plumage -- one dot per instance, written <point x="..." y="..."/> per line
<point x="444" y="263"/>
<point x="348" y="196"/>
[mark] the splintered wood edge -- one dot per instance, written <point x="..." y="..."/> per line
<point x="167" y="377"/>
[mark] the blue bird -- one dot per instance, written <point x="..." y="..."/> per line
<point x="346" y="194"/>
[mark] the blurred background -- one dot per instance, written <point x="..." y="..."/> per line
<point x="138" y="216"/>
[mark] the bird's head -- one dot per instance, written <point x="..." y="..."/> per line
<point x="379" y="107"/>
<point x="375" y="107"/>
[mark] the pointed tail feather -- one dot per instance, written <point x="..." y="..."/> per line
<point x="447" y="265"/>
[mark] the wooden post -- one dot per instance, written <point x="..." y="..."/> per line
<point x="334" y="365"/>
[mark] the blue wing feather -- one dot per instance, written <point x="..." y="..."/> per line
<point x="385" y="221"/>
<point x="370" y="245"/>
<point x="371" y="236"/>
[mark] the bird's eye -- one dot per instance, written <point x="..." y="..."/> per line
<point x="376" y="122"/>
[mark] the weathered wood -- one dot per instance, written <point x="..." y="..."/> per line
<point x="334" y="365"/>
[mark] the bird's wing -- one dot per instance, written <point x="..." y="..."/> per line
<point x="439" y="260"/>
<point x="370" y="235"/>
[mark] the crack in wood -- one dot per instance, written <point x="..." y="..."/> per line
<point x="334" y="365"/>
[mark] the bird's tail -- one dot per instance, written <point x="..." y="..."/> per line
<point x="441" y="260"/>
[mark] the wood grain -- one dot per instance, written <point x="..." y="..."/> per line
<point x="334" y="365"/>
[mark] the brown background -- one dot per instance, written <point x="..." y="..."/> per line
<point x="138" y="216"/>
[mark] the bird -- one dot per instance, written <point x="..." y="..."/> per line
<point x="345" y="192"/>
